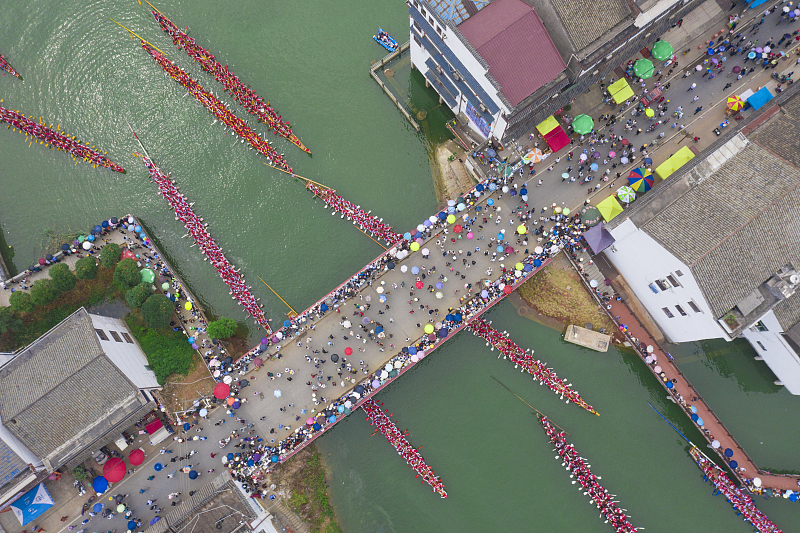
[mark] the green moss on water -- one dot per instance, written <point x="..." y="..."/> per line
<point x="7" y="253"/>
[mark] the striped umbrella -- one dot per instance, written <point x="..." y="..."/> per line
<point x="735" y="103"/>
<point x="640" y="180"/>
<point x="626" y="194"/>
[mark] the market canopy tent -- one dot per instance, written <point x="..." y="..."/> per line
<point x="609" y="208"/>
<point x="620" y="91"/>
<point x="668" y="167"/>
<point x="761" y="97"/>
<point x="598" y="238"/>
<point x="557" y="139"/>
<point x="32" y="504"/>
<point x="547" y="125"/>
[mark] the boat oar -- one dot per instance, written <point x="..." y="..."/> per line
<point x="673" y="427"/>
<point x="526" y="403"/>
<point x="137" y="35"/>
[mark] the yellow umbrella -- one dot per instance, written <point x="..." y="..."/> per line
<point x="521" y="229"/>
<point x="649" y="112"/>
<point x="188" y="306"/>
<point x="735" y="103"/>
<point x="414" y="246"/>
<point x="609" y="208"/>
<point x="451" y="219"/>
<point x="519" y="266"/>
<point x="429" y="328"/>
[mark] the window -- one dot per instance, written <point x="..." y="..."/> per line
<point x="116" y="336"/>
<point x="422" y="10"/>
<point x="417" y="26"/>
<point x="759" y="326"/>
<point x="430" y="19"/>
<point x="127" y="338"/>
<point x="680" y="310"/>
<point x="761" y="345"/>
<point x="416" y="4"/>
<point x="416" y="40"/>
<point x="674" y="281"/>
<point x="667" y="312"/>
<point x="694" y="307"/>
<point x="678" y="273"/>
<point x="662" y="284"/>
<point x="653" y="288"/>
<point x="438" y="29"/>
<point x="101" y="334"/>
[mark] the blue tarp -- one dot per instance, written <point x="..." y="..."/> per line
<point x="758" y="100"/>
<point x="32" y="504"/>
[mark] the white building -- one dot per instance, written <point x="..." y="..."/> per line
<point x="715" y="252"/>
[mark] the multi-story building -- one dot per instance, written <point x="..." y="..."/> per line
<point x="505" y="65"/>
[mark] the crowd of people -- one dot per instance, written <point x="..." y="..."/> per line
<point x="739" y="499"/>
<point x="238" y="126"/>
<point x="5" y="67"/>
<point x="56" y="139"/>
<point x="197" y="229"/>
<point x="397" y="439"/>
<point x="522" y="358"/>
<point x="369" y="223"/>
<point x="580" y="470"/>
<point x="243" y="94"/>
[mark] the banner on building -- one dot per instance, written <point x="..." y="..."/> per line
<point x="476" y="118"/>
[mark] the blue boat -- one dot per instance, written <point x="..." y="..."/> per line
<point x="385" y="40"/>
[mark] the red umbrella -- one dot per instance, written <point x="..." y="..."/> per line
<point x="221" y="391"/>
<point x="258" y="362"/>
<point x="420" y="284"/>
<point x="508" y="289"/>
<point x="114" y="470"/>
<point x="457" y="228"/>
<point x="348" y="351"/>
<point x="127" y="254"/>
<point x="136" y="457"/>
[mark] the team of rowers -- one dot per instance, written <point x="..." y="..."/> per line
<point x="397" y="439"/>
<point x="369" y="223"/>
<point x="5" y="67"/>
<point x="218" y="109"/>
<point x="197" y="229"/>
<point x="580" y="470"/>
<point x="241" y="92"/>
<point x="741" y="501"/>
<point x="525" y="360"/>
<point x="56" y="139"/>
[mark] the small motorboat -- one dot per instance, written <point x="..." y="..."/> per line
<point x="385" y="40"/>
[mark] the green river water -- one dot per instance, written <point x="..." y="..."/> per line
<point x="311" y="59"/>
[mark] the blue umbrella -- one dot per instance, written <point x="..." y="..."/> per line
<point x="154" y="520"/>
<point x="186" y="426"/>
<point x="528" y="267"/>
<point x="537" y="263"/>
<point x="670" y="384"/>
<point x="412" y="350"/>
<point x="379" y="330"/>
<point x="711" y="51"/>
<point x="332" y="419"/>
<point x="99" y="484"/>
<point x="359" y="389"/>
<point x="694" y="417"/>
<point x="137" y="229"/>
<point x="97" y="507"/>
<point x="492" y="187"/>
<point x="158" y="467"/>
<point x="114" y="220"/>
<point x="699" y="421"/>
<point x="287" y="323"/>
<point x="648" y="161"/>
<point x="479" y="187"/>
<point x="229" y="456"/>
<point x="443" y="332"/>
<point x="593" y="166"/>
<point x="32" y="504"/>
<point x="793" y="497"/>
<point x="131" y="525"/>
<point x="693" y="408"/>
<point x="490" y="201"/>
<point x="90" y="238"/>
<point x="728" y="452"/>
<point x="500" y="236"/>
<point x="193" y="474"/>
<point x="250" y="462"/>
<point x="316" y="427"/>
<point x="191" y="340"/>
<point x="65" y="247"/>
<point x="274" y="458"/>
<point x="458" y="317"/>
<point x="98" y="229"/>
<point x="523" y="191"/>
<point x="323" y="307"/>
<point x="104" y="224"/>
<point x="479" y="209"/>
<point x="340" y="408"/>
<point x="734" y="464"/>
<point x="142" y="235"/>
<point x="441" y="216"/>
<point x="448" y="317"/>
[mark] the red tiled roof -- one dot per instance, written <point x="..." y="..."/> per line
<point x="511" y="38"/>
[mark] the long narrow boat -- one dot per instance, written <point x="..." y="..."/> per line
<point x="243" y="94"/>
<point x="741" y="501"/>
<point x="52" y="138"/>
<point x="217" y="108"/>
<point x="6" y="67"/>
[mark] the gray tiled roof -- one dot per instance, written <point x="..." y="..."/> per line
<point x="62" y="393"/>
<point x="586" y="22"/>
<point x="10" y="464"/>
<point x="736" y="227"/>
<point x="773" y="133"/>
<point x="788" y="311"/>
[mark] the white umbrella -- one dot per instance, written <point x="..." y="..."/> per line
<point x="277" y="393"/>
<point x="227" y="380"/>
<point x="346" y="324"/>
<point x="439" y="295"/>
<point x="404" y="269"/>
<point x="649" y="348"/>
<point x="87" y="245"/>
<point x="715" y="444"/>
<point x="388" y="367"/>
<point x="384" y="374"/>
<point x="425" y="251"/>
<point x="593" y="283"/>
<point x="379" y="290"/>
<point x="756" y="482"/>
<point x="398" y="365"/>
<point x="538" y="250"/>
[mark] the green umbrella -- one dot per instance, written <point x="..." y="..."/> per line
<point x="643" y="68"/>
<point x="583" y="124"/>
<point x="662" y="50"/>
<point x="148" y="275"/>
<point x="590" y="215"/>
<point x="626" y="194"/>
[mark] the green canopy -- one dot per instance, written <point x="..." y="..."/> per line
<point x="662" y="50"/>
<point x="643" y="68"/>
<point x="148" y="276"/>
<point x="583" y="124"/>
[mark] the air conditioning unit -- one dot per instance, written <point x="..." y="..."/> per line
<point x="456" y="75"/>
<point x="439" y="70"/>
<point x="483" y="108"/>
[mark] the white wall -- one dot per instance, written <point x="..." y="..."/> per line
<point x="777" y="353"/>
<point x="19" y="448"/>
<point x="129" y="358"/>
<point x="641" y="260"/>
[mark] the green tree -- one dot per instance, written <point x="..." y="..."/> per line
<point x="127" y="274"/>
<point x="137" y="295"/>
<point x="8" y="320"/>
<point x="64" y="279"/>
<point x="86" y="268"/>
<point x="222" y="328"/>
<point x="42" y="292"/>
<point x="110" y="255"/>
<point x="21" y="302"/>
<point x="157" y="310"/>
<point x="79" y="473"/>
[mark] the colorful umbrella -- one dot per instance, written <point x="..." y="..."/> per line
<point x="626" y="194"/>
<point x="590" y="216"/>
<point x="735" y="103"/>
<point x="643" y="68"/>
<point x="662" y="50"/>
<point x="533" y="156"/>
<point x="640" y="179"/>
<point x="583" y="124"/>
